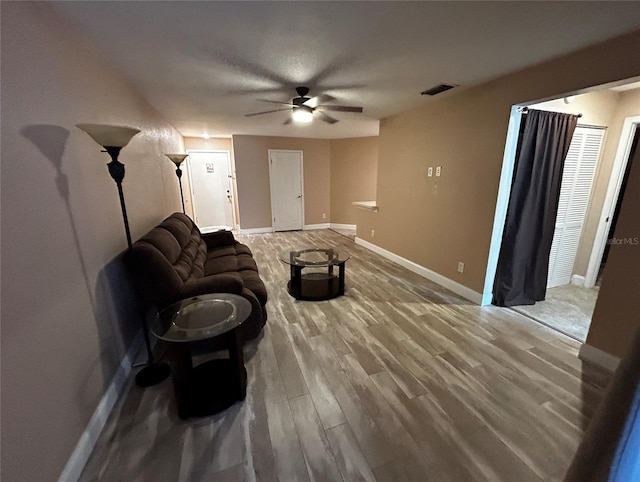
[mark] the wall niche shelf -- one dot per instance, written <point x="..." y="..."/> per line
<point x="368" y="205"/>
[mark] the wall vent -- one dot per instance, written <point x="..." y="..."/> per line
<point x="437" y="89"/>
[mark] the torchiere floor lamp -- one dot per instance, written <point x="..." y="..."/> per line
<point x="113" y="139"/>
<point x="177" y="159"/>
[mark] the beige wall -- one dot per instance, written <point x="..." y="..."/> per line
<point x="354" y="169"/>
<point x="449" y="219"/>
<point x="68" y="311"/>
<point x="213" y="143"/>
<point x="252" y="177"/>
<point x="615" y="318"/>
<point x="596" y="107"/>
<point x="607" y="109"/>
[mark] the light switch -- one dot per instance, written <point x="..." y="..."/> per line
<point x="430" y="172"/>
<point x="438" y="170"/>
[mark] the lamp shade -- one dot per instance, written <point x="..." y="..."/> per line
<point x="109" y="136"/>
<point x="177" y="158"/>
<point x="302" y="114"/>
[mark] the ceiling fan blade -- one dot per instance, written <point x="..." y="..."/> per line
<point x="340" y="108"/>
<point x="324" y="117"/>
<point x="274" y="102"/>
<point x="319" y="99"/>
<point x="266" y="112"/>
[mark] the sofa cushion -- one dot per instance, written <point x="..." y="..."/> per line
<point x="253" y="283"/>
<point x="243" y="249"/>
<point x="222" y="264"/>
<point x="183" y="233"/>
<point x="229" y="259"/>
<point x="220" y="252"/>
<point x="218" y="239"/>
<point x="246" y="262"/>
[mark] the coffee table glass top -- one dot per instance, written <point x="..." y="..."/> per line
<point x="314" y="257"/>
<point x="201" y="317"/>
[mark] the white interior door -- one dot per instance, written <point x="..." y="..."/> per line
<point x="577" y="180"/>
<point x="211" y="189"/>
<point x="287" y="201"/>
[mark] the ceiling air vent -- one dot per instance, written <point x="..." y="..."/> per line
<point x="437" y="89"/>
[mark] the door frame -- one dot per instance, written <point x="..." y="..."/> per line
<point x="269" y="152"/>
<point x="613" y="191"/>
<point x="502" y="200"/>
<point x="231" y="178"/>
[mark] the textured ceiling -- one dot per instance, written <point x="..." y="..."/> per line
<point x="204" y="65"/>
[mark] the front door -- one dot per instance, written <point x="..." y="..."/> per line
<point x="287" y="202"/>
<point x="211" y="189"/>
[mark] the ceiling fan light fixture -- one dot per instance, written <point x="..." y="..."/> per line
<point x="302" y="114"/>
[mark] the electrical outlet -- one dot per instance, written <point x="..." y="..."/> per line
<point x="324" y="215"/>
<point x="438" y="171"/>
<point x="460" y="267"/>
<point x="430" y="172"/>
<point x="373" y="233"/>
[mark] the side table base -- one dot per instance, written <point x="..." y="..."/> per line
<point x="212" y="387"/>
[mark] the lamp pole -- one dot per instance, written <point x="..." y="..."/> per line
<point x="116" y="170"/>
<point x="113" y="139"/>
<point x="177" y="159"/>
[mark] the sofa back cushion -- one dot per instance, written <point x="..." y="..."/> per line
<point x="168" y="256"/>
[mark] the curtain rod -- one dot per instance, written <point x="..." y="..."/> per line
<point x="524" y="110"/>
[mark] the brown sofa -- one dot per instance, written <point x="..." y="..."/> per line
<point x="175" y="261"/>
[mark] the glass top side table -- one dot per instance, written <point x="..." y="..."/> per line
<point x="201" y="317"/>
<point x="217" y="384"/>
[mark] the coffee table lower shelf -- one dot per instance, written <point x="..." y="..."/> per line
<point x="315" y="287"/>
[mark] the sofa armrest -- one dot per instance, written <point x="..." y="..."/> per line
<point x="215" y="283"/>
<point x="218" y="239"/>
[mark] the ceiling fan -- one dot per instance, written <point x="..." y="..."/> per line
<point x="304" y="108"/>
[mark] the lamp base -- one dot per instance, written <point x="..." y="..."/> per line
<point x="152" y="374"/>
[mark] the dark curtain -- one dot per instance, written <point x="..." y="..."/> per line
<point x="521" y="274"/>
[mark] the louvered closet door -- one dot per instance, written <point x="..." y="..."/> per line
<point x="577" y="180"/>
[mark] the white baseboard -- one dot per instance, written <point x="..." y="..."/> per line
<point x="343" y="226"/>
<point x="80" y="455"/>
<point x="256" y="230"/>
<point x="454" y="286"/>
<point x="599" y="357"/>
<point x="309" y="227"/>
<point x="577" y="280"/>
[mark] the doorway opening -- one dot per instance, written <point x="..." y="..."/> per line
<point x="592" y="187"/>
<point x="212" y="191"/>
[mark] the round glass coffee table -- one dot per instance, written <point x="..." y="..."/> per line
<point x="316" y="285"/>
<point x="216" y="384"/>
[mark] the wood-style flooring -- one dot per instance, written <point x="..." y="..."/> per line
<point x="567" y="309"/>
<point x="398" y="380"/>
